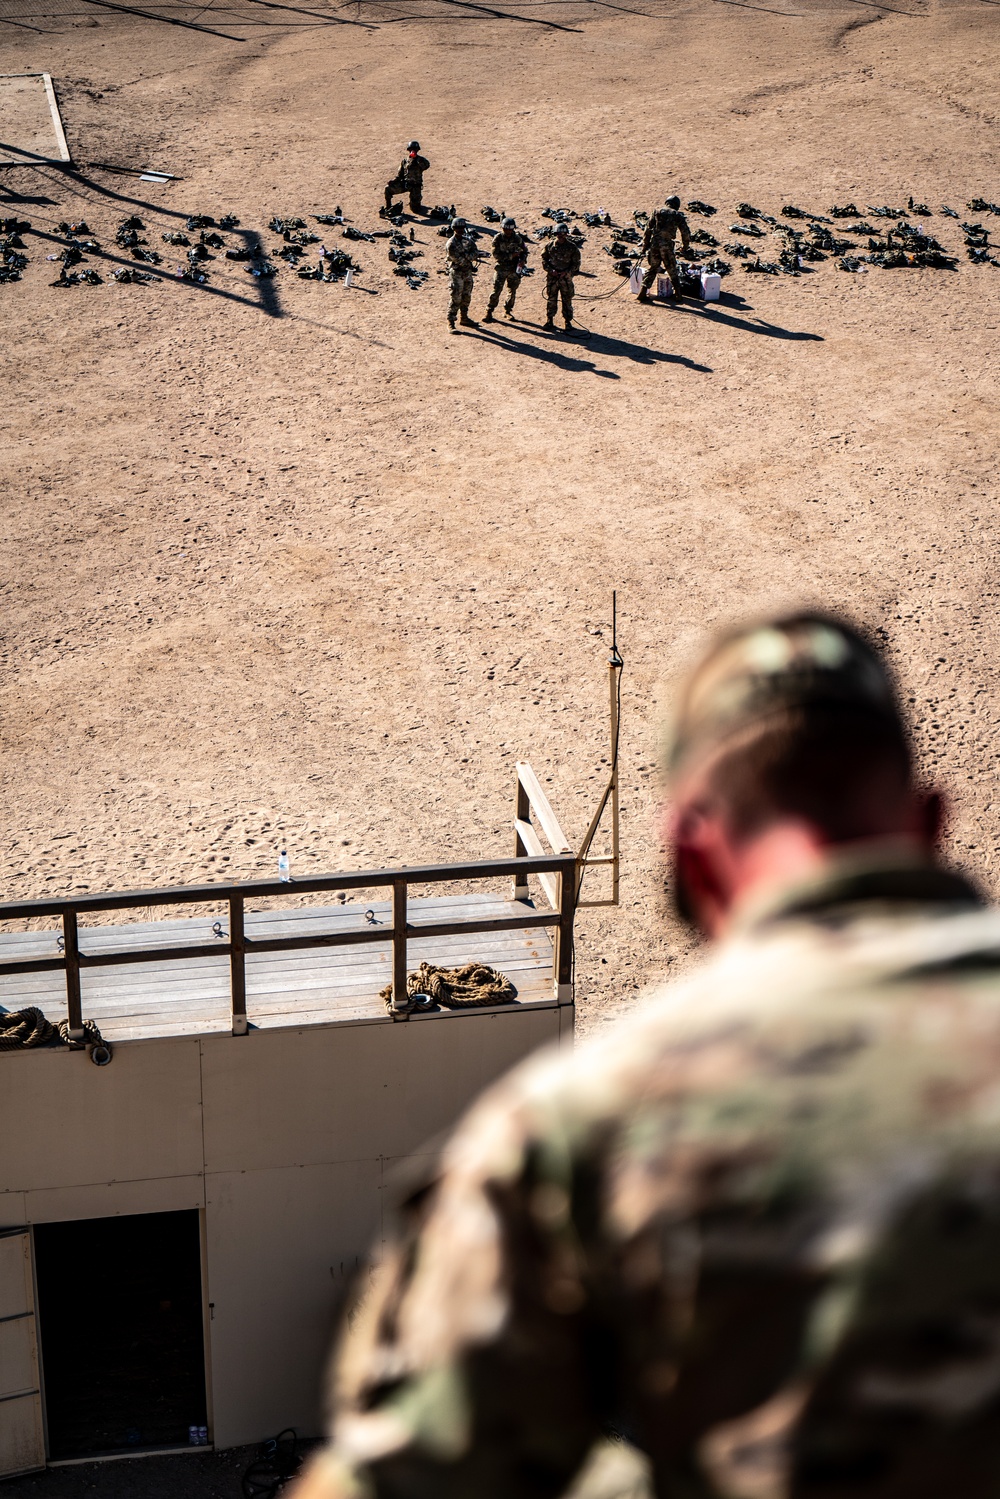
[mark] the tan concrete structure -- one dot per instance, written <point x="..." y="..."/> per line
<point x="283" y="1140"/>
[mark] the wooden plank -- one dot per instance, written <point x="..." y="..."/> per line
<point x="533" y="843"/>
<point x="542" y="810"/>
<point x="57" y="124"/>
<point x="179" y="895"/>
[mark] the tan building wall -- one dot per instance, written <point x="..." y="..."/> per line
<point x="283" y="1139"/>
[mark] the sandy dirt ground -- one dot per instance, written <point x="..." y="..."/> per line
<point x="286" y="564"/>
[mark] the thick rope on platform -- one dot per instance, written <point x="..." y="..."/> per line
<point x="22" y="1029"/>
<point x="468" y="988"/>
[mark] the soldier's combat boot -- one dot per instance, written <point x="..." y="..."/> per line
<point x="489" y="315"/>
<point x="549" y="326"/>
<point x="643" y="296"/>
<point x="569" y="326"/>
<point x="451" y="325"/>
<point x="468" y="322"/>
<point x="508" y="309"/>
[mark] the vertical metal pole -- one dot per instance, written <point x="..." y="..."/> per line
<point x="563" y="956"/>
<point x="522" y="812"/>
<point x="237" y="966"/>
<point x="614" y="676"/>
<point x="71" y="950"/>
<point x="399" y="945"/>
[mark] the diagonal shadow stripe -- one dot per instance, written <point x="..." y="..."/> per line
<point x="149" y="15"/>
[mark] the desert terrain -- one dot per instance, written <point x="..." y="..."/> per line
<point x="285" y="564"/>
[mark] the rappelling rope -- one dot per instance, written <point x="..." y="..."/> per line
<point x="22" y="1029"/>
<point x="467" y="988"/>
<point x="601" y="296"/>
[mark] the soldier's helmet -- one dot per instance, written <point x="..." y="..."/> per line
<point x="413" y="145"/>
<point x="458" y="225"/>
<point x="508" y="224"/>
<point x="562" y="228"/>
<point x="673" y="201"/>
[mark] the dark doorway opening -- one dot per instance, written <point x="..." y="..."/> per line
<point x="120" y="1316"/>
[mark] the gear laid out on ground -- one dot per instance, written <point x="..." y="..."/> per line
<point x="904" y="245"/>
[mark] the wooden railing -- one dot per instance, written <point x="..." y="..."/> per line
<point x="557" y="870"/>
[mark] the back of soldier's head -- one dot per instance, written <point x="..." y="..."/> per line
<point x="673" y="201"/>
<point x="793" y="718"/>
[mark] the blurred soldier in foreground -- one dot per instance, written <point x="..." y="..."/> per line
<point x="463" y="258"/>
<point x="409" y="179"/>
<point x="757" y="1228"/>
<point x="510" y="252"/>
<point x="561" y="261"/>
<point x="658" y="246"/>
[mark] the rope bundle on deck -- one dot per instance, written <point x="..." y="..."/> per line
<point x="471" y="987"/>
<point x="22" y="1029"/>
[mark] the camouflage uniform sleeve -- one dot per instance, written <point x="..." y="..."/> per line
<point x="469" y="1368"/>
<point x="685" y="232"/>
<point x="574" y="269"/>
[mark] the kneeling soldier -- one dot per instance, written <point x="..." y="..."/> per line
<point x="561" y="259"/>
<point x="409" y="179"/>
<point x="658" y="245"/>
<point x="462" y="258"/>
<point x="510" y="251"/>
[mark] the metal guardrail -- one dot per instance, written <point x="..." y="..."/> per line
<point x="558" y="871"/>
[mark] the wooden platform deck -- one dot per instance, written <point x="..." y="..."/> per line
<point x="322" y="986"/>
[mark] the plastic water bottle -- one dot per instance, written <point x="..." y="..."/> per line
<point x="283" y="873"/>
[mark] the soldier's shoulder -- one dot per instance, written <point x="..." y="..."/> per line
<point x="874" y="1015"/>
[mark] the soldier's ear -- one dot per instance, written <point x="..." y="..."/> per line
<point x="933" y="809"/>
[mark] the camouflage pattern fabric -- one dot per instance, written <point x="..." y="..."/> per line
<point x="658" y="245"/>
<point x="756" y="1228"/>
<point x="409" y="179"/>
<point x="462" y="262"/>
<point x="561" y="262"/>
<point x="509" y="251"/>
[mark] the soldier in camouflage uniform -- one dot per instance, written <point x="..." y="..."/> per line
<point x="561" y="261"/>
<point x="756" y="1228"/>
<point x="462" y="260"/>
<point x="510" y="251"/>
<point x="409" y="179"/>
<point x="658" y="245"/>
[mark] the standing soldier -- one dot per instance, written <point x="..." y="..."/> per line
<point x="462" y="258"/>
<point x="409" y="179"/>
<point x="561" y="260"/>
<point x="510" y="251"/>
<point x="658" y="245"/>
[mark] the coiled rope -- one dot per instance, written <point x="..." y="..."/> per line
<point x="22" y="1029"/>
<point x="467" y="988"/>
